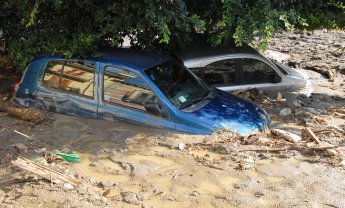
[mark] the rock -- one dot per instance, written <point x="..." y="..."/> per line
<point x="104" y="200"/>
<point x="20" y="147"/>
<point x="82" y="190"/>
<point x="221" y="149"/>
<point x="249" y="159"/>
<point x="194" y="193"/>
<point x="296" y="103"/>
<point x="181" y="146"/>
<point x="41" y="161"/>
<point x="92" y="181"/>
<point x="285" y="112"/>
<point x="251" y="140"/>
<point x="263" y="140"/>
<point x="130" y="197"/>
<point x="68" y="186"/>
<point x="106" y="184"/>
<point x="312" y="110"/>
<point x="331" y="152"/>
<point x="288" y="136"/>
<point x="342" y="163"/>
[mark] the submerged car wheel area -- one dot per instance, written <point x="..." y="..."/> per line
<point x="136" y="87"/>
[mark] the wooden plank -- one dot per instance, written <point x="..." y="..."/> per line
<point x="311" y="134"/>
<point x="41" y="170"/>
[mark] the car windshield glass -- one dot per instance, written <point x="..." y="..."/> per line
<point x="180" y="85"/>
<point x="280" y="67"/>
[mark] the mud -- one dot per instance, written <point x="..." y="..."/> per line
<point x="134" y="166"/>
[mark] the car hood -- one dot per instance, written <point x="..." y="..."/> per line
<point x="223" y="110"/>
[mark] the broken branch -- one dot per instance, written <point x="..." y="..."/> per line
<point x="45" y="172"/>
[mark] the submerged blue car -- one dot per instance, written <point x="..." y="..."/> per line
<point x="137" y="87"/>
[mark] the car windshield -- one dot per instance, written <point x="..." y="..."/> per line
<point x="180" y="85"/>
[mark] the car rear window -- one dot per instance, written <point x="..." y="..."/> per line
<point x="75" y="77"/>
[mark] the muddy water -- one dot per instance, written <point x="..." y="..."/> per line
<point x="148" y="163"/>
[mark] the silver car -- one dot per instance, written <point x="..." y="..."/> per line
<point x="240" y="68"/>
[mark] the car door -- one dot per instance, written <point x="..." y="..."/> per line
<point x="68" y="86"/>
<point x="255" y="73"/>
<point x="220" y="73"/>
<point x="126" y="95"/>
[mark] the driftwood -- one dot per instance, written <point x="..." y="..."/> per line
<point x="323" y="148"/>
<point x="41" y="170"/>
<point x="311" y="134"/>
<point x="265" y="150"/>
<point x="26" y="114"/>
<point x="286" y="135"/>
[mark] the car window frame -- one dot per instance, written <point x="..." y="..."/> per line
<point x="218" y="59"/>
<point x="60" y="77"/>
<point x="129" y="107"/>
<point x="241" y="72"/>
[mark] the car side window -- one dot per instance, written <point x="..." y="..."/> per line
<point x="220" y="73"/>
<point x="126" y="88"/>
<point x="76" y="77"/>
<point x="52" y="74"/>
<point x="255" y="71"/>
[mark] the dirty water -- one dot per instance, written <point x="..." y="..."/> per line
<point x="148" y="163"/>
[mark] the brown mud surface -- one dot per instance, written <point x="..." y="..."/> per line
<point x="134" y="166"/>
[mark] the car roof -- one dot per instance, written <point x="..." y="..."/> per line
<point x="200" y="48"/>
<point x="133" y="59"/>
<point x="139" y="59"/>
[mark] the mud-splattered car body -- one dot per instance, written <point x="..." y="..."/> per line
<point x="240" y="68"/>
<point x="137" y="87"/>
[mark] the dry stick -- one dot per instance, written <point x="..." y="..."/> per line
<point x="323" y="148"/>
<point x="43" y="171"/>
<point x="312" y="135"/>
<point x="264" y="150"/>
<point x="29" y="137"/>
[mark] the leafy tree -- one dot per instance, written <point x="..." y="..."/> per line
<point x="80" y="27"/>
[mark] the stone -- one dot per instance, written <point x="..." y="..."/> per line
<point x="331" y="152"/>
<point x="104" y="200"/>
<point x="181" y="146"/>
<point x="263" y="140"/>
<point x="342" y="163"/>
<point x="285" y="112"/>
<point x="296" y="104"/>
<point x="249" y="159"/>
<point x="68" y="186"/>
<point x="221" y="149"/>
<point x="106" y="184"/>
<point x="20" y="147"/>
<point x="130" y="197"/>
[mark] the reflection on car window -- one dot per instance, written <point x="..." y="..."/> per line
<point x="126" y="88"/>
<point x="255" y="71"/>
<point x="76" y="77"/>
<point x="51" y="76"/>
<point x="221" y="72"/>
<point x="177" y="83"/>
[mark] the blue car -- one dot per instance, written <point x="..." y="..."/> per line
<point x="137" y="87"/>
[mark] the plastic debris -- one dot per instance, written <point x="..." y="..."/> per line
<point x="68" y="157"/>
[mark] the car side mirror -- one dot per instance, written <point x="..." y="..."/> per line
<point x="277" y="79"/>
<point x="155" y="109"/>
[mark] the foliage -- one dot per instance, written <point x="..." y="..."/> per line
<point x="80" y="27"/>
